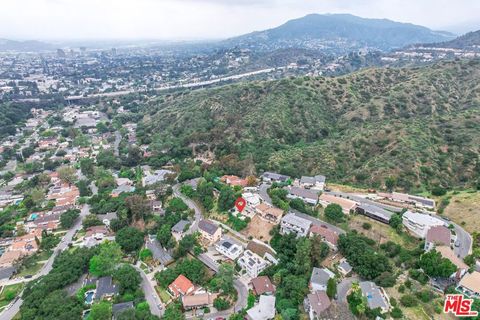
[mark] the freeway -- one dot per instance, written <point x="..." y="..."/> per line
<point x="153" y="300"/>
<point x="15" y="307"/>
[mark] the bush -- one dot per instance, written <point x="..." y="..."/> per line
<point x="438" y="191"/>
<point x="396" y="313"/>
<point x="221" y="304"/>
<point x="366" y="226"/>
<point x="408" y="300"/>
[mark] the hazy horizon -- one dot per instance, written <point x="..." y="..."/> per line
<point x="203" y="20"/>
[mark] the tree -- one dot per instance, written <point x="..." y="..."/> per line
<point x="396" y="313"/>
<point x="289" y="314"/>
<point x="396" y="222"/>
<point x="87" y="166"/>
<point x="90" y="221"/>
<point x="177" y="205"/>
<point x="331" y="288"/>
<point x="334" y="213"/>
<point x="138" y="207"/>
<point x="49" y="241"/>
<point x="106" y="260"/>
<point x="221" y="304"/>
<point x="226" y="199"/>
<point x="187" y="243"/>
<point x="128" y="278"/>
<point x="319" y="252"/>
<point x="434" y="265"/>
<point x="101" y="311"/>
<point x="356" y="302"/>
<point x="129" y="238"/>
<point x="173" y="312"/>
<point x="303" y="261"/>
<point x="37" y="195"/>
<point x="225" y="277"/>
<point x="84" y="188"/>
<point x="390" y="183"/>
<point x="145" y="254"/>
<point x="67" y="174"/>
<point x="408" y="300"/>
<point x="164" y="236"/>
<point x="68" y="218"/>
<point x="386" y="279"/>
<point x="107" y="159"/>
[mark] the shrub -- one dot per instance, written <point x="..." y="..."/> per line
<point x="221" y="304"/>
<point x="366" y="226"/>
<point x="408" y="300"/>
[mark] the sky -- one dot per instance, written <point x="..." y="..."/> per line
<point x="209" y="19"/>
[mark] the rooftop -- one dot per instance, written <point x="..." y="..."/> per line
<point x="208" y="226"/>
<point x="292" y="219"/>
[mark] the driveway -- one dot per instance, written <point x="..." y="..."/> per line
<point x="343" y="287"/>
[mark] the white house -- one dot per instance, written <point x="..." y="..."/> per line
<point x="319" y="279"/>
<point x="229" y="248"/>
<point x="252" y="263"/>
<point x="419" y="223"/>
<point x="315" y="183"/>
<point x="292" y="223"/>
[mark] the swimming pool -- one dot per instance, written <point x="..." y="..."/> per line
<point x="89" y="296"/>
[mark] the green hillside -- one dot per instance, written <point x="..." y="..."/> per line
<point x="420" y="125"/>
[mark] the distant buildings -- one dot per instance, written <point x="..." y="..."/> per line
<point x="306" y="195"/>
<point x="374" y="212"/>
<point x="314" y="183"/>
<point x="346" y="204"/>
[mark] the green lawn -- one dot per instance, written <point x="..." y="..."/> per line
<point x="164" y="296"/>
<point x="9" y="293"/>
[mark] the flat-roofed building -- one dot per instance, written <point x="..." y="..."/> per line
<point x="419" y="224"/>
<point x="292" y="223"/>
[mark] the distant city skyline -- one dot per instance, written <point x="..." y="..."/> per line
<point x="209" y="19"/>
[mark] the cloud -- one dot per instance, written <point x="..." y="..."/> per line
<point x="203" y="19"/>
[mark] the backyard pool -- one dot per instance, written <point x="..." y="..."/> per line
<point x="89" y="296"/>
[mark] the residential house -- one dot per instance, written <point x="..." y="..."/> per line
<point x="263" y="250"/>
<point x="47" y="222"/>
<point x="292" y="223"/>
<point x="448" y="253"/>
<point x="344" y="267"/>
<point x="179" y="229"/>
<point x="328" y="235"/>
<point x="262" y="286"/>
<point x="159" y="254"/>
<point x="274" y="177"/>
<point x="406" y="198"/>
<point x="319" y="279"/>
<point x="376" y="296"/>
<point x="264" y="310"/>
<point x="374" y="212"/>
<point x="306" y="195"/>
<point x="107" y="218"/>
<point x="252" y="201"/>
<point x="346" y="204"/>
<point x="156" y="207"/>
<point x="229" y="248"/>
<point x="315" y="304"/>
<point x="419" y="223"/>
<point x="252" y="263"/>
<point x="119" y="308"/>
<point x="106" y="289"/>
<point x="315" y="183"/>
<point x="10" y="258"/>
<point x="470" y="285"/>
<point x="268" y="213"/>
<point x="437" y="235"/>
<point x="209" y="231"/>
<point x="199" y="300"/>
<point x="181" y="286"/>
<point x="155" y="177"/>
<point x="124" y="188"/>
<point x="234" y="181"/>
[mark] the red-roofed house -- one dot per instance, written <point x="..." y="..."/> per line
<point x="181" y="287"/>
<point x="234" y="181"/>
<point x="326" y="234"/>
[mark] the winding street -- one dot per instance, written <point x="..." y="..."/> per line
<point x="153" y="300"/>
<point x="241" y="288"/>
<point x="10" y="312"/>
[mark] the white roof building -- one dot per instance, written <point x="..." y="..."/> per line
<point x="419" y="223"/>
<point x="264" y="310"/>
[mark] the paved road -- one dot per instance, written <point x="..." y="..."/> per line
<point x="192" y="205"/>
<point x="464" y="240"/>
<point x="343" y="287"/>
<point x="241" y="288"/>
<point x="116" y="143"/>
<point x="15" y="307"/>
<point x="156" y="306"/>
<point x="262" y="190"/>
